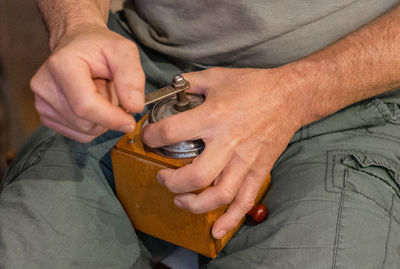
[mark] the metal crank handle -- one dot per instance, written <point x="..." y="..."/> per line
<point x="178" y="85"/>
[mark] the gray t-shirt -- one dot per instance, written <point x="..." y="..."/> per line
<point x="246" y="33"/>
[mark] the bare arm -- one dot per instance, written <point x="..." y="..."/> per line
<point x="363" y="64"/>
<point x="67" y="15"/>
<point x="91" y="71"/>
<point x="245" y="133"/>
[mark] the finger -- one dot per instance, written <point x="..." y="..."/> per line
<point x="50" y="102"/>
<point x="81" y="126"/>
<point x="242" y="204"/>
<point x="199" y="81"/>
<point x="128" y="76"/>
<point x="85" y="102"/>
<point x="219" y="194"/>
<point x="81" y="137"/>
<point x="106" y="89"/>
<point x="200" y="173"/>
<point x="202" y="81"/>
<point x="188" y="125"/>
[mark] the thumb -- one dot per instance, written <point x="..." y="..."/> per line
<point x="129" y="78"/>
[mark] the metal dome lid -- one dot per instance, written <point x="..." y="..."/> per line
<point x="168" y="107"/>
<point x="171" y="105"/>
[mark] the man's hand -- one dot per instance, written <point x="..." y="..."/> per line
<point x="249" y="115"/>
<point x="245" y="124"/>
<point x="78" y="89"/>
<point x="90" y="72"/>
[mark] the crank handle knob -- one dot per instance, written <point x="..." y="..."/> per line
<point x="258" y="213"/>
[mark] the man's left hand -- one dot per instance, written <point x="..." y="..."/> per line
<point x="246" y="122"/>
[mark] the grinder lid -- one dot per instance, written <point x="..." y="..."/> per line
<point x="167" y="107"/>
<point x="173" y="105"/>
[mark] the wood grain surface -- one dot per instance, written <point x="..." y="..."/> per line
<point x="150" y="205"/>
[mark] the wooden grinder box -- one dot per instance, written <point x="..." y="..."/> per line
<point x="150" y="206"/>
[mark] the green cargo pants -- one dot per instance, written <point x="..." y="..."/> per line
<point x="333" y="203"/>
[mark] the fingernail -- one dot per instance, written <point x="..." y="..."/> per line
<point x="220" y="234"/>
<point x="179" y="203"/>
<point x="127" y="128"/>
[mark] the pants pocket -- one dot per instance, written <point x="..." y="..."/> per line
<point x="368" y="213"/>
<point x="29" y="156"/>
<point x="390" y="111"/>
<point x="378" y="169"/>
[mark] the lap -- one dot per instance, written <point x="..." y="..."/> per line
<point x="57" y="206"/>
<point x="334" y="198"/>
<point x="333" y="202"/>
<point x="58" y="211"/>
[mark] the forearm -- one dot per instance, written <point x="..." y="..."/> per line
<point x="363" y="64"/>
<point x="64" y="16"/>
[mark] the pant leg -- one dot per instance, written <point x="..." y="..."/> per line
<point x="334" y="198"/>
<point x="58" y="211"/>
<point x="57" y="208"/>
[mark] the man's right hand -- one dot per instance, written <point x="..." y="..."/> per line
<point x="78" y="89"/>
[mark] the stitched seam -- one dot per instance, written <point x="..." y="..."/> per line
<point x="377" y="203"/>
<point x="333" y="171"/>
<point x="370" y="134"/>
<point x="330" y="185"/>
<point x="370" y="174"/>
<point x="390" y="187"/>
<point x="381" y="111"/>
<point x="387" y="164"/>
<point x="384" y="136"/>
<point x="328" y="164"/>
<point x="301" y="133"/>
<point x="31" y="164"/>
<point x="344" y="152"/>
<point x="380" y="108"/>
<point x="389" y="228"/>
<point x="338" y="155"/>
<point x="339" y="221"/>
<point x="387" y="115"/>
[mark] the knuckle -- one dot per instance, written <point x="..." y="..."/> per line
<point x="53" y="62"/>
<point x="126" y="44"/>
<point x="46" y="121"/>
<point x="34" y="84"/>
<point x="82" y="109"/>
<point x="169" y="184"/>
<point x="98" y="131"/>
<point x="219" y="110"/>
<point x="39" y="107"/>
<point x="226" y="196"/>
<point x="167" y="132"/>
<point x="246" y="205"/>
<point x="196" y="210"/>
<point x="201" y="179"/>
<point x="87" y="127"/>
<point x="234" y="222"/>
<point x="85" y="139"/>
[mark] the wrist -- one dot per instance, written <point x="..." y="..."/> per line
<point x="71" y="29"/>
<point x="65" y="18"/>
<point x="315" y="89"/>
